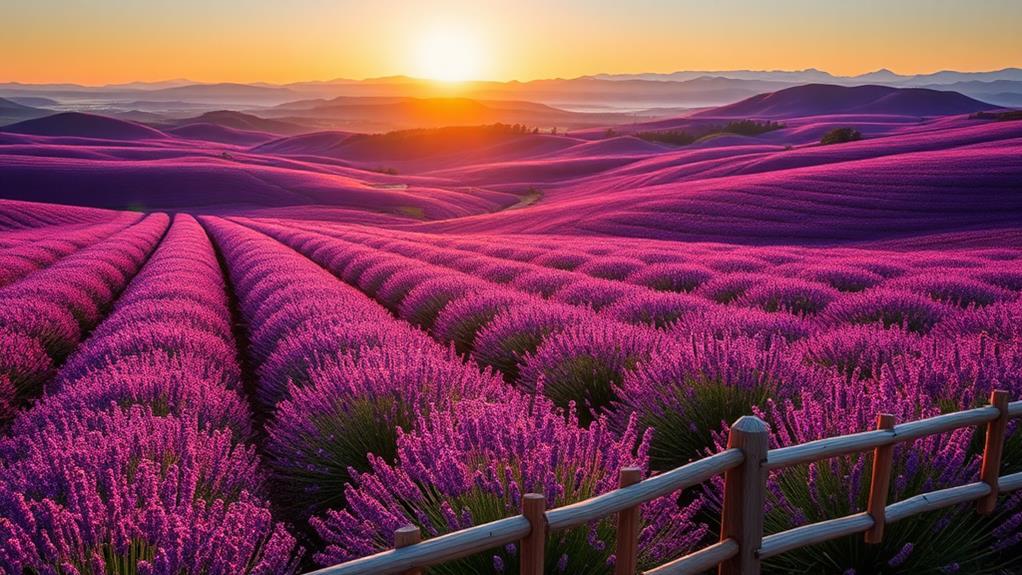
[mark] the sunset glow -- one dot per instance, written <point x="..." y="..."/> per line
<point x="235" y="41"/>
<point x="448" y="54"/>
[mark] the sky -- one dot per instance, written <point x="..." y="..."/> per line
<point x="109" y="41"/>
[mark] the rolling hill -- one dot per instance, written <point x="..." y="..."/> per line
<point x="79" y="125"/>
<point x="221" y="134"/>
<point x="243" y="121"/>
<point x="11" y="111"/>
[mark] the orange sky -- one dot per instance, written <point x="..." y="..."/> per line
<point x="106" y="41"/>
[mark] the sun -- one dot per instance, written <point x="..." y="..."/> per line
<point x="448" y="54"/>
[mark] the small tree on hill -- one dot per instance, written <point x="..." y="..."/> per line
<point x="840" y="136"/>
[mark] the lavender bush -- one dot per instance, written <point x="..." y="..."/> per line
<point x="458" y="470"/>
<point x="584" y="364"/>
<point x="353" y="408"/>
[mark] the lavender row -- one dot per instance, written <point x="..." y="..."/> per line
<point x="28" y="257"/>
<point x="616" y="300"/>
<point x="21" y="216"/>
<point x="45" y="315"/>
<point x="141" y="441"/>
<point x="11" y="238"/>
<point x="787" y="278"/>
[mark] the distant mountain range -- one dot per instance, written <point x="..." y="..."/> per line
<point x="394" y="103"/>
<point x="828" y="99"/>
<point x="812" y="75"/>
<point x="603" y="92"/>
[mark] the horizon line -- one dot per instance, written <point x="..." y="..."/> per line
<point x="710" y="73"/>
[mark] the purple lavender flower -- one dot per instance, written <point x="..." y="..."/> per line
<point x="656" y="309"/>
<point x="728" y="287"/>
<point x="352" y="408"/>
<point x="689" y="389"/>
<point x="136" y="491"/>
<point x="799" y="297"/>
<point x="858" y="351"/>
<point x="952" y="289"/>
<point x="841" y="484"/>
<point x="890" y="307"/>
<point x="583" y="364"/>
<point x="610" y="267"/>
<point x="998" y="321"/>
<point x="426" y="300"/>
<point x="593" y="292"/>
<point x="724" y="322"/>
<point x="24" y="362"/>
<point x="542" y="282"/>
<point x="460" y="321"/>
<point x="513" y="333"/>
<point x="562" y="260"/>
<point x="842" y="277"/>
<point x="671" y="277"/>
<point x="501" y="272"/>
<point x="372" y="278"/>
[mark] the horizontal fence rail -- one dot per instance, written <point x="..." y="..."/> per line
<point x="745" y="465"/>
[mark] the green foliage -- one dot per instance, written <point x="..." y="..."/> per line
<point x="670" y="137"/>
<point x="463" y="333"/>
<point x="412" y="212"/>
<point x="356" y="434"/>
<point x="750" y="127"/>
<point x="685" y="138"/>
<point x="1006" y="116"/>
<point x="449" y="131"/>
<point x="953" y="540"/>
<point x="683" y="435"/>
<point x="588" y="380"/>
<point x="840" y="136"/>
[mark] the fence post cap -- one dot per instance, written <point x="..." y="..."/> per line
<point x="407" y="529"/>
<point x="750" y="424"/>
<point x="629" y="476"/>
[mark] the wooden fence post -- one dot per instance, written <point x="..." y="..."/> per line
<point x="744" y="493"/>
<point x="628" y="528"/>
<point x="533" y="546"/>
<point x="405" y="536"/>
<point x="880" y="483"/>
<point x="990" y="472"/>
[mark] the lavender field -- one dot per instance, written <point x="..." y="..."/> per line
<point x="225" y="352"/>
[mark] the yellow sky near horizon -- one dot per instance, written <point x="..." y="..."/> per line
<point x="110" y="41"/>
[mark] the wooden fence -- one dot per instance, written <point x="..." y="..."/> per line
<point x="745" y="464"/>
